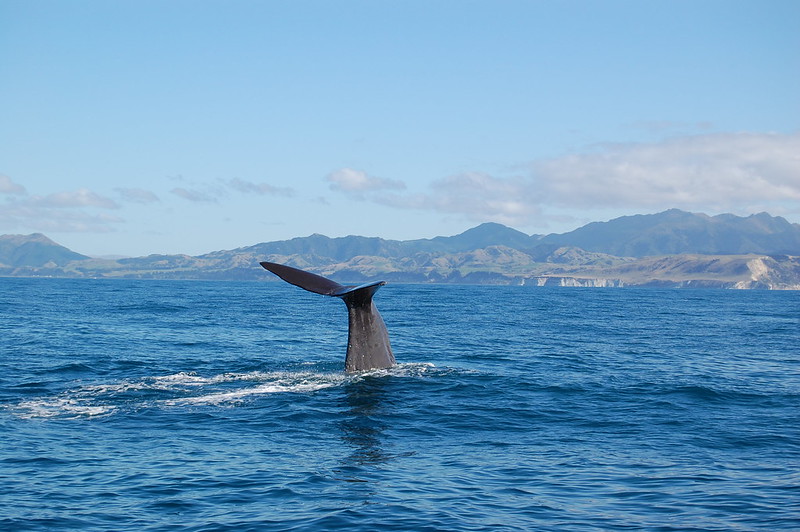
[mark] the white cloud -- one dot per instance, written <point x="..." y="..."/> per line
<point x="212" y="192"/>
<point x="478" y="196"/>
<point x="262" y="189"/>
<point x="7" y="186"/>
<point x="720" y="171"/>
<point x="37" y="217"/>
<point x="194" y="195"/>
<point x="735" y="172"/>
<point x="137" y="195"/>
<point x="349" y="180"/>
<point x="75" y="198"/>
<point x="59" y="212"/>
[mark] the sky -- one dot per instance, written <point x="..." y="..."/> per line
<point x="132" y="127"/>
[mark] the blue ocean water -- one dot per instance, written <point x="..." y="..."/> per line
<point x="203" y="406"/>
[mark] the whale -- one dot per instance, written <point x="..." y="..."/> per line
<point x="368" y="344"/>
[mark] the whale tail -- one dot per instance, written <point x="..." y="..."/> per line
<point x="367" y="338"/>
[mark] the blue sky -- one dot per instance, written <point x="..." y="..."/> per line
<point x="138" y="127"/>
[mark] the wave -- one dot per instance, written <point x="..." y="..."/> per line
<point x="269" y="383"/>
<point x="60" y="407"/>
<point x="189" y="388"/>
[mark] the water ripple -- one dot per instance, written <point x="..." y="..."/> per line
<point x="195" y="407"/>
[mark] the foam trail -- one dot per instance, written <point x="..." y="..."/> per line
<point x="60" y="407"/>
<point x="237" y="395"/>
<point x="188" y="388"/>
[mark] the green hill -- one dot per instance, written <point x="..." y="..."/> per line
<point x="34" y="250"/>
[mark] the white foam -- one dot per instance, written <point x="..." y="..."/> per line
<point x="237" y="395"/>
<point x="295" y="382"/>
<point x="60" y="407"/>
<point x="188" y="388"/>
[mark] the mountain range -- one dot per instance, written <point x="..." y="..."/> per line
<point x="671" y="248"/>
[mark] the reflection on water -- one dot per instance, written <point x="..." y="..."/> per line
<point x="367" y="405"/>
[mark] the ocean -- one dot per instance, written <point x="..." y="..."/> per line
<point x="206" y="406"/>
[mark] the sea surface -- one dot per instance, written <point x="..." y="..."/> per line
<point x="204" y="406"/>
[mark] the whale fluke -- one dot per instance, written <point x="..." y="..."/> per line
<point x="367" y="338"/>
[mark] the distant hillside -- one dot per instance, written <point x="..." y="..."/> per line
<point x="668" y="233"/>
<point x="345" y="248"/>
<point x="672" y="248"/>
<point x="34" y="250"/>
<point x="484" y="235"/>
<point x="674" y="231"/>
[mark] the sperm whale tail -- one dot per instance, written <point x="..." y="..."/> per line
<point x="367" y="338"/>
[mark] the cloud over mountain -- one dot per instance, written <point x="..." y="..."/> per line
<point x="64" y="211"/>
<point x="39" y="217"/>
<point x="718" y="172"/>
<point x="217" y="191"/>
<point x="194" y="195"/>
<point x="249" y="187"/>
<point x="137" y="195"/>
<point x="478" y="196"/>
<point x="82" y="197"/>
<point x="355" y="181"/>
<point x="7" y="186"/>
